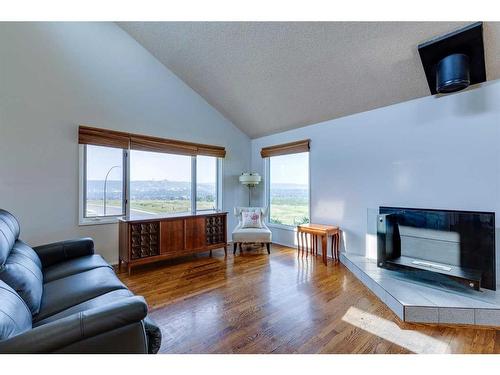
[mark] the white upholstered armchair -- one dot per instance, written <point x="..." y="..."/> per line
<point x="251" y="231"/>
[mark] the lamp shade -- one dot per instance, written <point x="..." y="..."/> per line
<point x="251" y="179"/>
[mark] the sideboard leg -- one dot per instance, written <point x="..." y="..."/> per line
<point x="225" y="250"/>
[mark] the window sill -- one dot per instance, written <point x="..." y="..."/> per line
<point x="282" y="227"/>
<point x="97" y="221"/>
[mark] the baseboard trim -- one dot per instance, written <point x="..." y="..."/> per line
<point x="295" y="247"/>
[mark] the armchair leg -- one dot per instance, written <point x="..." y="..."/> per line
<point x="268" y="245"/>
<point x="235" y="246"/>
<point x="241" y="248"/>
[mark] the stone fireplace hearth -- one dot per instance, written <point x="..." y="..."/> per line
<point x="418" y="301"/>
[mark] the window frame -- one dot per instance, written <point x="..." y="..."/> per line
<point x="90" y="220"/>
<point x="110" y="219"/>
<point x="267" y="192"/>
<point x="218" y="185"/>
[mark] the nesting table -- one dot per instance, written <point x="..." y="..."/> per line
<point x="307" y="240"/>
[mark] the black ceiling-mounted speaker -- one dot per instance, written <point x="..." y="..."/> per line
<point x="454" y="61"/>
<point x="452" y="73"/>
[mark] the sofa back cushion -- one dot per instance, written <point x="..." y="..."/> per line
<point x="9" y="233"/>
<point x="15" y="317"/>
<point x="20" y="267"/>
<point x="22" y="248"/>
<point x="22" y="272"/>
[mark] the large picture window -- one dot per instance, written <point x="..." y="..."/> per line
<point x="288" y="189"/>
<point x="118" y="181"/>
<point x="160" y="183"/>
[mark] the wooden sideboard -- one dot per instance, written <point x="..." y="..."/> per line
<point x="147" y="240"/>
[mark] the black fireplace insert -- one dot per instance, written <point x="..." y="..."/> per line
<point x="455" y="245"/>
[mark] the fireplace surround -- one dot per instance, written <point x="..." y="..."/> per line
<point x="438" y="245"/>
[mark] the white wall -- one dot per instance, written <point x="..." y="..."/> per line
<point x="431" y="153"/>
<point x="55" y="76"/>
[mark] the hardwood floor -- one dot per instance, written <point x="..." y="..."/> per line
<point x="256" y="303"/>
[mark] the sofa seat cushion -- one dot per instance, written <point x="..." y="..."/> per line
<point x="99" y="301"/>
<point x="61" y="294"/>
<point x="252" y="234"/>
<point x="24" y="275"/>
<point x="73" y="266"/>
<point x="15" y="317"/>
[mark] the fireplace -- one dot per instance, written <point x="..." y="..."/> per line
<point x="438" y="245"/>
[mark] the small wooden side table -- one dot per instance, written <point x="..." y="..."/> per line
<point x="313" y="231"/>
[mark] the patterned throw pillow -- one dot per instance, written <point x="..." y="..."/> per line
<point x="251" y="219"/>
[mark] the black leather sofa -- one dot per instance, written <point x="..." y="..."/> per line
<point x="64" y="298"/>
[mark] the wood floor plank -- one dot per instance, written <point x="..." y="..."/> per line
<point x="280" y="303"/>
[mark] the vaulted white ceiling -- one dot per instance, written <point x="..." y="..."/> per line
<point x="268" y="77"/>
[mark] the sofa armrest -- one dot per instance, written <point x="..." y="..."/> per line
<point x="153" y="333"/>
<point x="60" y="333"/>
<point x="60" y="251"/>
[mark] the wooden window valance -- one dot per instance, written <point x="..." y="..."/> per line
<point x="285" y="148"/>
<point x="112" y="138"/>
<point x="103" y="137"/>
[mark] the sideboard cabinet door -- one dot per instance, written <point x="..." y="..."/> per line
<point x="172" y="236"/>
<point x="195" y="233"/>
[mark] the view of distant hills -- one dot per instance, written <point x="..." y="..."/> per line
<point x="295" y="191"/>
<point x="144" y="190"/>
<point x="178" y="190"/>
